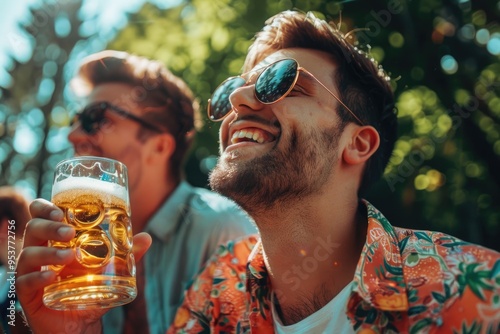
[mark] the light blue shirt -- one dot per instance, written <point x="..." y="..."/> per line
<point x="186" y="231"/>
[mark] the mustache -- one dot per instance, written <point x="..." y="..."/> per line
<point x="256" y="119"/>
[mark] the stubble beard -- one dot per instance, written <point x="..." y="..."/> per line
<point x="281" y="176"/>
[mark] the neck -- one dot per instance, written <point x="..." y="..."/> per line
<point x="311" y="252"/>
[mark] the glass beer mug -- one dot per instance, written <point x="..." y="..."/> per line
<point x="93" y="194"/>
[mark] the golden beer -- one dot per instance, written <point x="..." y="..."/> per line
<point x="103" y="272"/>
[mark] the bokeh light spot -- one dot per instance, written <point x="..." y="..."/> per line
<point x="396" y="40"/>
<point x="449" y="64"/>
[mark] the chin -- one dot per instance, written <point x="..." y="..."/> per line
<point x="255" y="185"/>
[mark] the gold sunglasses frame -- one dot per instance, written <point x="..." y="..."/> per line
<point x="299" y="68"/>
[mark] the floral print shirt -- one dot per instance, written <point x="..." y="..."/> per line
<point x="406" y="281"/>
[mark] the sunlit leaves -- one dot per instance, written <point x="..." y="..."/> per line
<point x="396" y="39"/>
<point x="28" y="147"/>
<point x="430" y="181"/>
<point x="449" y="64"/>
<point x="220" y="39"/>
<point x="442" y="28"/>
<point x="416" y="103"/>
<point x="479" y="18"/>
<point x="488" y="87"/>
<point x="428" y="6"/>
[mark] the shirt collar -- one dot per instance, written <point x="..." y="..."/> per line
<point x="256" y="265"/>
<point x="259" y="291"/>
<point x="378" y="279"/>
<point x="171" y="212"/>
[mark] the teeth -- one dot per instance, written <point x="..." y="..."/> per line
<point x="255" y="136"/>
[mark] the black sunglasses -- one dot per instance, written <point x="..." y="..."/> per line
<point x="271" y="85"/>
<point x="91" y="117"/>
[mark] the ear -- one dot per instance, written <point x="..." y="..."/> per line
<point x="364" y="142"/>
<point x="161" y="147"/>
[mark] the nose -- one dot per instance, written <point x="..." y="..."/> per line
<point x="81" y="141"/>
<point x="243" y="100"/>
<point x="76" y="133"/>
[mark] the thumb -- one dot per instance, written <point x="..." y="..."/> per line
<point x="142" y="241"/>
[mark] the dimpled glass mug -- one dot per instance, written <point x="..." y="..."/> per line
<point x="93" y="193"/>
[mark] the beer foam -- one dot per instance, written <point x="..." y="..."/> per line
<point x="86" y="183"/>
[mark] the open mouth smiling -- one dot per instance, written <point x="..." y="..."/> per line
<point x="254" y="135"/>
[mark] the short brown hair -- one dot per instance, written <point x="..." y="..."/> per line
<point x="363" y="85"/>
<point x="154" y="86"/>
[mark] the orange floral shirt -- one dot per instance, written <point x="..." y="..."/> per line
<point x="406" y="281"/>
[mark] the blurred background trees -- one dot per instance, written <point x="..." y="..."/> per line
<point x="443" y="56"/>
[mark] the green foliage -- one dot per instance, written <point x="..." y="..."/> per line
<point x="31" y="109"/>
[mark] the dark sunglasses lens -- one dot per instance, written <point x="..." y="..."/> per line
<point x="91" y="117"/>
<point x="276" y="81"/>
<point x="219" y="103"/>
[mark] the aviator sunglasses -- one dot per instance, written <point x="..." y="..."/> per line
<point x="91" y="117"/>
<point x="272" y="85"/>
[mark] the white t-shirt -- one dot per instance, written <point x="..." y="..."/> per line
<point x="331" y="318"/>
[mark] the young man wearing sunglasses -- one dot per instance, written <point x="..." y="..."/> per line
<point x="136" y="111"/>
<point x="305" y="131"/>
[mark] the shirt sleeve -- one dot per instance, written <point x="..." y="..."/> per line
<point x="216" y="299"/>
<point x="195" y="313"/>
